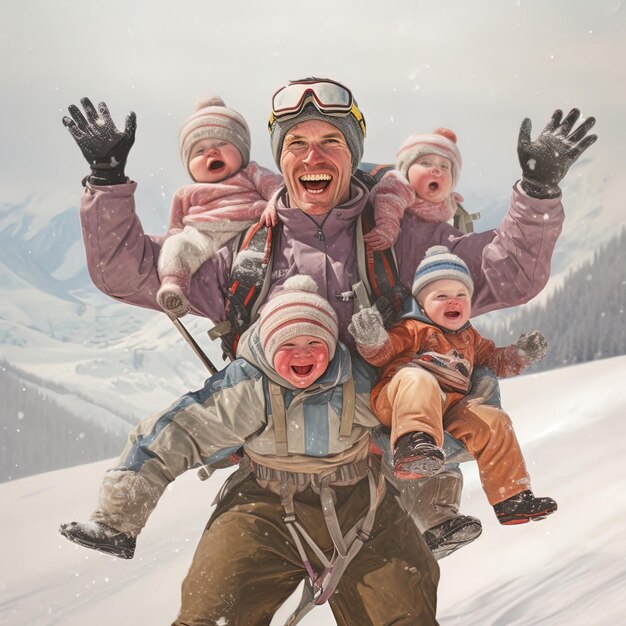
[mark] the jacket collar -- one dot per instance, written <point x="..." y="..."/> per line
<point x="333" y="224"/>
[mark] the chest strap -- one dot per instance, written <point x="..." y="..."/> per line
<point x="279" y="414"/>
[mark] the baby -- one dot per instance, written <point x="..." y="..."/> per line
<point x="427" y="361"/>
<point x="230" y="194"/>
<point x="427" y="170"/>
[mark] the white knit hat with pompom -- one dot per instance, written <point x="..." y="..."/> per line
<point x="296" y="311"/>
<point x="441" y="141"/>
<point x="214" y="120"/>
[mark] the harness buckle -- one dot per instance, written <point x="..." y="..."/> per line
<point x="363" y="536"/>
<point x="290" y="518"/>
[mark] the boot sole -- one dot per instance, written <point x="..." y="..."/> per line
<point x="513" y="520"/>
<point x="122" y="553"/>
<point x="417" y="468"/>
<point x="455" y="539"/>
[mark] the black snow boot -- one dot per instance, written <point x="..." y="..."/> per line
<point x="416" y="456"/>
<point x="452" y="534"/>
<point x="522" y="508"/>
<point x="101" y="537"/>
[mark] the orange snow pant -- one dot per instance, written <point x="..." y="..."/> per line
<point x="412" y="401"/>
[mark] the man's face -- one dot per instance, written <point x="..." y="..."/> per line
<point x="317" y="165"/>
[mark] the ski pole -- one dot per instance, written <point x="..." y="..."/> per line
<point x="194" y="345"/>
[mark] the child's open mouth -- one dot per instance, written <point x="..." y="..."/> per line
<point x="452" y="314"/>
<point x="302" y="370"/>
<point x="315" y="183"/>
<point x="434" y="186"/>
<point x="216" y="165"/>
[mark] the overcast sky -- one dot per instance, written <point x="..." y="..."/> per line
<point x="477" y="67"/>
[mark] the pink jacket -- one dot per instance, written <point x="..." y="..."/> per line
<point x="509" y="265"/>
<point x="240" y="198"/>
<point x="393" y="196"/>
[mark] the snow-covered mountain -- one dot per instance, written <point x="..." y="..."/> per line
<point x="53" y="323"/>
<point x="567" y="570"/>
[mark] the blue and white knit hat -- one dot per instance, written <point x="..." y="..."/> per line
<point x="439" y="263"/>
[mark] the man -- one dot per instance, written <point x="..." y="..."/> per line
<point x="317" y="134"/>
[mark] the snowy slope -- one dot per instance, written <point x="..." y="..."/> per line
<point x="568" y="570"/>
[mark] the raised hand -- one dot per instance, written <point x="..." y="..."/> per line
<point x="546" y="160"/>
<point x="367" y="327"/>
<point x="532" y="346"/>
<point x="102" y="144"/>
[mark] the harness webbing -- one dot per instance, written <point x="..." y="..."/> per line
<point x="279" y="414"/>
<point x="319" y="587"/>
<point x="279" y="417"/>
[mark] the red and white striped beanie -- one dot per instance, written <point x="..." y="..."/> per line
<point x="442" y="142"/>
<point x="214" y="120"/>
<point x="297" y="310"/>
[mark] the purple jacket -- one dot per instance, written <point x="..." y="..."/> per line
<point x="509" y="265"/>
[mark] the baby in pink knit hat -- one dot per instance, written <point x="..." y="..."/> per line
<point x="228" y="195"/>
<point x="427" y="170"/>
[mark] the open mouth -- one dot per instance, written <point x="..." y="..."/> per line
<point x="302" y="370"/>
<point x="434" y="186"/>
<point x="216" y="166"/>
<point x="452" y="315"/>
<point x="315" y="183"/>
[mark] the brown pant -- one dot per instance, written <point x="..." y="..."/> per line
<point x="246" y="564"/>
<point x="415" y="403"/>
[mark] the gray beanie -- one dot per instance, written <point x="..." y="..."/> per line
<point x="214" y="120"/>
<point x="347" y="125"/>
<point x="439" y="263"/>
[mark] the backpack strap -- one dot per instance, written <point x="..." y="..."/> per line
<point x="279" y="418"/>
<point x="378" y="271"/>
<point x="247" y="286"/>
<point x="464" y="220"/>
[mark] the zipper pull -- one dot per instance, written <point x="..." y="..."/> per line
<point x="320" y="234"/>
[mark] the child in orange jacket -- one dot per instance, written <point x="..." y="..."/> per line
<point x="427" y="361"/>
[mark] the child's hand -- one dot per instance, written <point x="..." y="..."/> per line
<point x="377" y="240"/>
<point x="532" y="347"/>
<point x="367" y="327"/>
<point x="269" y="217"/>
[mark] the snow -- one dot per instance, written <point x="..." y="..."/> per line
<point x="568" y="570"/>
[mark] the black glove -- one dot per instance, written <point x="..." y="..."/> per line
<point x="546" y="160"/>
<point x="102" y="144"/>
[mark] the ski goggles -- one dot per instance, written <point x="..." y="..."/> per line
<point x="329" y="98"/>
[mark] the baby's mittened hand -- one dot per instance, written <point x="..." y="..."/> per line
<point x="532" y="346"/>
<point x="367" y="327"/>
<point x="378" y="239"/>
<point x="269" y="217"/>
